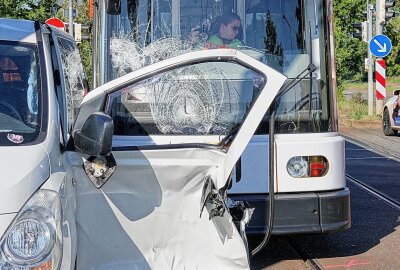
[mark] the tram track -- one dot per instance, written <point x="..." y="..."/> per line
<point x="359" y="183"/>
<point x="311" y="263"/>
<point x="393" y="202"/>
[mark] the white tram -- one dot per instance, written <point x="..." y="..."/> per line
<point x="305" y="166"/>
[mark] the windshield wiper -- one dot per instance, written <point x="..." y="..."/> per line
<point x="227" y="139"/>
<point x="307" y="72"/>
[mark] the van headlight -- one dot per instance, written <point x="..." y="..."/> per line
<point x="33" y="241"/>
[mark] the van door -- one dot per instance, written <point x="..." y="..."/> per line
<point x="163" y="206"/>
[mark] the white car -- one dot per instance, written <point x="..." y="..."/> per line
<point x="390" y="119"/>
<point x="75" y="195"/>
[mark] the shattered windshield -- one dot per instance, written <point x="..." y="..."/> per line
<point x="20" y="94"/>
<point x="287" y="35"/>
<point x="202" y="99"/>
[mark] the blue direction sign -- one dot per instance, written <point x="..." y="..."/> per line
<point x="380" y="46"/>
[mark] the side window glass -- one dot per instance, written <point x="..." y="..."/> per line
<point x="74" y="78"/>
<point x="202" y="99"/>
<point x="20" y="93"/>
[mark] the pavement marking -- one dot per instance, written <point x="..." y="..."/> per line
<point x="349" y="264"/>
<point x="358" y="149"/>
<point x="362" y="158"/>
<point x="374" y="149"/>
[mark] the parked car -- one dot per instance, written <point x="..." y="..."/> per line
<point x="391" y="120"/>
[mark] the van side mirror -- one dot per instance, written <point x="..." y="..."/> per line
<point x="113" y="7"/>
<point x="396" y="92"/>
<point x="95" y="137"/>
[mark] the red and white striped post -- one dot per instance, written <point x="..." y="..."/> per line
<point x="380" y="75"/>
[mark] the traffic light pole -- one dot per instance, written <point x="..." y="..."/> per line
<point x="71" y="20"/>
<point x="370" y="8"/>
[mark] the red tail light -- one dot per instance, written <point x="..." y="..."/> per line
<point x="318" y="166"/>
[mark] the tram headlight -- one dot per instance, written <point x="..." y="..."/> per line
<point x="307" y="166"/>
<point x="33" y="241"/>
<point x="297" y="167"/>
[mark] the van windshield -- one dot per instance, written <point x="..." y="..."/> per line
<point x="20" y="94"/>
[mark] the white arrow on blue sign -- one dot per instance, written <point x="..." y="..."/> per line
<point x="380" y="46"/>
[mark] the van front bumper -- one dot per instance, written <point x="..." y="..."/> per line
<point x="311" y="212"/>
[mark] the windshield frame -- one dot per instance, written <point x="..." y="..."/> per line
<point x="318" y="47"/>
<point x="42" y="118"/>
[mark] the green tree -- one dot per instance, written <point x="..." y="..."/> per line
<point x="85" y="47"/>
<point x="350" y="52"/>
<point x="26" y="9"/>
<point x="392" y="30"/>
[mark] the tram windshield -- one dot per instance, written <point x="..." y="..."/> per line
<point x="287" y="35"/>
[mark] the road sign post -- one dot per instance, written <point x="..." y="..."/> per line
<point x="380" y="75"/>
<point x="380" y="46"/>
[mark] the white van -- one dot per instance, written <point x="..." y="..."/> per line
<point x="38" y="105"/>
<point x="75" y="195"/>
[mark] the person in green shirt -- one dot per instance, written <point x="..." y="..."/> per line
<point x="225" y="32"/>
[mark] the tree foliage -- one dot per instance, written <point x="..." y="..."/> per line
<point x="392" y="30"/>
<point x="26" y="9"/>
<point x="350" y="52"/>
<point x="85" y="47"/>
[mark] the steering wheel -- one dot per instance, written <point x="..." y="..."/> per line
<point x="9" y="110"/>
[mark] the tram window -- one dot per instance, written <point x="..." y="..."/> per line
<point x="284" y="34"/>
<point x="201" y="99"/>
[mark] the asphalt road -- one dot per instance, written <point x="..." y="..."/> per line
<point x="374" y="238"/>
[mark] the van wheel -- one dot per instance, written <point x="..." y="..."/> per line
<point x="386" y="126"/>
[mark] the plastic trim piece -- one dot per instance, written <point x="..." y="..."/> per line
<point x="312" y="212"/>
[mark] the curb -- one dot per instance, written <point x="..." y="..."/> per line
<point x="366" y="124"/>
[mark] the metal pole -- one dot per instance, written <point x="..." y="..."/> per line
<point x="378" y="26"/>
<point x="71" y="20"/>
<point x="370" y="63"/>
<point x="378" y="31"/>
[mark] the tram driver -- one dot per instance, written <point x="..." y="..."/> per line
<point x="225" y="32"/>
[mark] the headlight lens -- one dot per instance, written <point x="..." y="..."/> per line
<point x="28" y="239"/>
<point x="297" y="167"/>
<point x="33" y="241"/>
<point x="307" y="166"/>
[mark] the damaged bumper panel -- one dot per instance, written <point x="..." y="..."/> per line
<point x="147" y="215"/>
<point x="312" y="212"/>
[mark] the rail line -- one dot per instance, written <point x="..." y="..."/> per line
<point x="380" y="151"/>
<point x="392" y="202"/>
<point x="312" y="263"/>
